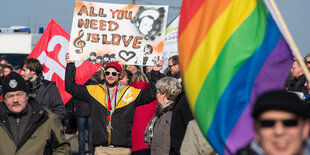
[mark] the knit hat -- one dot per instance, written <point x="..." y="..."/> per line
<point x="279" y="100"/>
<point x="114" y="65"/>
<point x="13" y="82"/>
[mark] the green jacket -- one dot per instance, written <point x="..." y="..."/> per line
<point x="43" y="135"/>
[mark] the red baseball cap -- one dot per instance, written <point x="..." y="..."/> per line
<point x="115" y="65"/>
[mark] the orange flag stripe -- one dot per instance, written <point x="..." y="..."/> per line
<point x="201" y="23"/>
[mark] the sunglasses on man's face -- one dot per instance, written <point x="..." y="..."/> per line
<point x="113" y="73"/>
<point x="169" y="66"/>
<point x="269" y="123"/>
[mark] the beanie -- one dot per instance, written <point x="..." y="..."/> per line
<point x="114" y="65"/>
<point x="13" y="82"/>
<point x="279" y="100"/>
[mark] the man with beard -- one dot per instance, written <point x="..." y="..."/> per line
<point x="25" y="126"/>
<point x="112" y="105"/>
<point x="44" y="91"/>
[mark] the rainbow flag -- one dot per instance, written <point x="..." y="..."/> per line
<point x="230" y="51"/>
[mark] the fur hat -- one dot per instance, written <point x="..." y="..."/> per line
<point x="279" y="100"/>
<point x="13" y="82"/>
<point x="114" y="65"/>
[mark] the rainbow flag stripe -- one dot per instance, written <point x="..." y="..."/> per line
<point x="230" y="52"/>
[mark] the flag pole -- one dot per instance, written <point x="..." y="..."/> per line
<point x="290" y="40"/>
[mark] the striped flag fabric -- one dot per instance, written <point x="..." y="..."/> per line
<point x="230" y="52"/>
<point x="51" y="50"/>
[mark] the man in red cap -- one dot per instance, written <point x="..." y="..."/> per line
<point x="112" y="105"/>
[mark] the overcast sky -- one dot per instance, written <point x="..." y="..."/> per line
<point x="37" y="13"/>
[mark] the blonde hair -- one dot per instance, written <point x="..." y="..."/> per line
<point x="139" y="77"/>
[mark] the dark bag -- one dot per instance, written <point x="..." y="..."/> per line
<point x="70" y="118"/>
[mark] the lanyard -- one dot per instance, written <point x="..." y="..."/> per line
<point x="109" y="101"/>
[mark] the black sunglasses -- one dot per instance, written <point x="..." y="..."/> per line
<point x="268" y="123"/>
<point x="169" y="66"/>
<point x="113" y="73"/>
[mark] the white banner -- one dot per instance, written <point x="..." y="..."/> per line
<point x="129" y="34"/>
<point x="171" y="41"/>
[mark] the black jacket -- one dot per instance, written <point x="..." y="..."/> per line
<point x="246" y="150"/>
<point x="121" y="118"/>
<point x="297" y="84"/>
<point x="48" y="95"/>
<point x="176" y="75"/>
<point x="82" y="109"/>
<point x="180" y="117"/>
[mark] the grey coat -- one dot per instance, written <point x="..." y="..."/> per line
<point x="161" y="138"/>
<point x="48" y="95"/>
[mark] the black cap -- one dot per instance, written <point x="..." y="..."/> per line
<point x="279" y="100"/>
<point x="13" y="82"/>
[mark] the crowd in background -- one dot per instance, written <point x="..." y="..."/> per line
<point x="296" y="80"/>
<point x="161" y="123"/>
<point x="76" y="114"/>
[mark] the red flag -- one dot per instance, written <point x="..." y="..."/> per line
<point x="51" y="50"/>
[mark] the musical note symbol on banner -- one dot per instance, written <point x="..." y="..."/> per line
<point x="79" y="43"/>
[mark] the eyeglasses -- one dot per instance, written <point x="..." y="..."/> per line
<point x="113" y="73"/>
<point x="269" y="123"/>
<point x="169" y="66"/>
<point x="308" y="62"/>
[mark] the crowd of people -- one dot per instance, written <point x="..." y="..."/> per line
<point x="134" y="110"/>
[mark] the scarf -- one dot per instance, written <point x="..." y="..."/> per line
<point x="149" y="131"/>
<point x="34" y="86"/>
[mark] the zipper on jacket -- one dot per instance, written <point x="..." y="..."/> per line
<point x="30" y="129"/>
<point x="17" y="128"/>
<point x="109" y="127"/>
